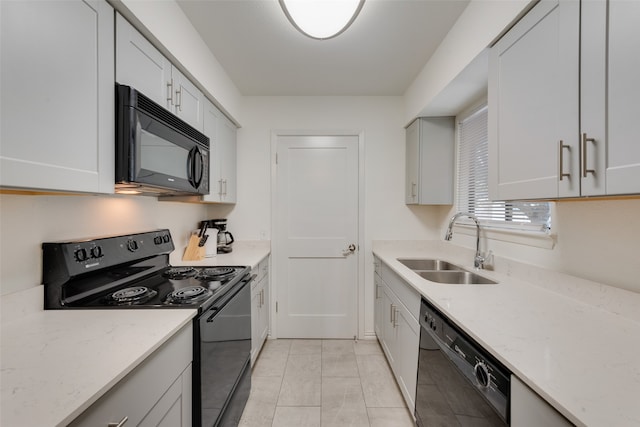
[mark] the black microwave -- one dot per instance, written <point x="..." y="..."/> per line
<point x="157" y="153"/>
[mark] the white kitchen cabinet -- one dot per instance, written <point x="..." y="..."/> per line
<point x="57" y="96"/>
<point x="399" y="334"/>
<point x="156" y="393"/>
<point x="140" y="65"/>
<point x="622" y="90"/>
<point x="530" y="410"/>
<point x="259" y="308"/>
<point x="430" y="143"/>
<point x="222" y="156"/>
<point x="555" y="80"/>
<point x="378" y="303"/>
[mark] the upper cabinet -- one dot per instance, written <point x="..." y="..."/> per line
<point x="222" y="155"/>
<point x="561" y="102"/>
<point x="430" y="143"/>
<point x="140" y="65"/>
<point x="57" y="96"/>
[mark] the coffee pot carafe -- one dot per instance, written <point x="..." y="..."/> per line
<point x="225" y="238"/>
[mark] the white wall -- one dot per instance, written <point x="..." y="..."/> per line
<point x="381" y="120"/>
<point x="27" y="221"/>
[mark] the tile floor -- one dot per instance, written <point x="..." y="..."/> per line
<point x="337" y="383"/>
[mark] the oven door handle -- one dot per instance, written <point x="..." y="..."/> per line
<point x="225" y="299"/>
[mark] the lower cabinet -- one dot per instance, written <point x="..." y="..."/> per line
<point x="530" y="410"/>
<point x="156" y="393"/>
<point x="398" y="330"/>
<point x="259" y="309"/>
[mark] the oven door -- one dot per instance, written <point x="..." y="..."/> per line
<point x="222" y="371"/>
<point x="447" y="392"/>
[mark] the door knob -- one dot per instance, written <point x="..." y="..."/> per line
<point x="350" y="249"/>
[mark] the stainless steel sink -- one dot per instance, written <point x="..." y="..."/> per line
<point x="456" y="277"/>
<point x="428" y="264"/>
<point x="439" y="271"/>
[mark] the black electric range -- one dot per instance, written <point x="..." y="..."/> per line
<point x="132" y="272"/>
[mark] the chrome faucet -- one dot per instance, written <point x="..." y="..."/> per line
<point x="479" y="259"/>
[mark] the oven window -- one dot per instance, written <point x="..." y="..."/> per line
<point x="161" y="156"/>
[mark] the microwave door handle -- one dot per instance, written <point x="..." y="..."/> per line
<point x="190" y="165"/>
<point x="198" y="168"/>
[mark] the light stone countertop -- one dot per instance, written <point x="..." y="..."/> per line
<point x="576" y="343"/>
<point x="56" y="363"/>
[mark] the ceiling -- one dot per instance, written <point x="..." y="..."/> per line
<point x="380" y="54"/>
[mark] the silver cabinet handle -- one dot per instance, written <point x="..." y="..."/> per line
<point x="170" y="91"/>
<point x="120" y="424"/>
<point x="179" y="99"/>
<point x="225" y="187"/>
<point x="377" y="291"/>
<point x="413" y="189"/>
<point x="395" y="316"/>
<point x="391" y="313"/>
<point x="585" y="170"/>
<point x="561" y="173"/>
<point x="220" y="186"/>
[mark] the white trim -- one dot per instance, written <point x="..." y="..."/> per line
<point x="360" y="304"/>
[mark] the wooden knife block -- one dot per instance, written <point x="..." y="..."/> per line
<point x="193" y="252"/>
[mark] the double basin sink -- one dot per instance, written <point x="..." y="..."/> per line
<point x="439" y="271"/>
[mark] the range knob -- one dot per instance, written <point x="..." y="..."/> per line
<point x="96" y="252"/>
<point x="481" y="371"/>
<point x="81" y="255"/>
<point x="132" y="245"/>
<point x="166" y="238"/>
<point x="157" y="240"/>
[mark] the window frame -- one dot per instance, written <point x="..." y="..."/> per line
<point x="519" y="233"/>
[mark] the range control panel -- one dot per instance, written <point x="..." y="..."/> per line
<point x="69" y="259"/>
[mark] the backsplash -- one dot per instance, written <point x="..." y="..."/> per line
<point x="27" y="221"/>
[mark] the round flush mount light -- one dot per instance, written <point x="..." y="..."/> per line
<point x="321" y="19"/>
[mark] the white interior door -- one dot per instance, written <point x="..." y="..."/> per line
<point x="316" y="223"/>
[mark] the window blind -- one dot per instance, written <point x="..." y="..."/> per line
<point x="473" y="182"/>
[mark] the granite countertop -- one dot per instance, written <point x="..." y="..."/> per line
<point x="574" y="342"/>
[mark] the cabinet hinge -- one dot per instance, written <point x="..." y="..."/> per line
<point x="276" y="306"/>
<point x="276" y="158"/>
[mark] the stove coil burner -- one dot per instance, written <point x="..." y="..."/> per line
<point x="216" y="273"/>
<point x="188" y="295"/>
<point x="178" y="273"/>
<point x="131" y="296"/>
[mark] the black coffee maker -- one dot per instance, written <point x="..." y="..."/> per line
<point x="225" y="238"/>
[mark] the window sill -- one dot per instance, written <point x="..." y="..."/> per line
<point x="536" y="239"/>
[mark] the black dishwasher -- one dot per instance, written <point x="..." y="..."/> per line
<point x="459" y="383"/>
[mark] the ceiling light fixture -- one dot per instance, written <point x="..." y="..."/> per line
<point x="321" y="19"/>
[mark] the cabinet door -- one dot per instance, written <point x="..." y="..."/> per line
<point x="227" y="151"/>
<point x="593" y="98"/>
<point x="255" y="322"/>
<point x="408" y="341"/>
<point x="378" y="310"/>
<point x="412" y="163"/>
<point x="140" y="65"/>
<point x="533" y="105"/>
<point x="623" y="156"/>
<point x="57" y="96"/>
<point x="211" y="123"/>
<point x="388" y="341"/>
<point x="188" y="100"/>
<point x="264" y="312"/>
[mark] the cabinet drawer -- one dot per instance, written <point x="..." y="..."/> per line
<point x="139" y="392"/>
<point x="407" y="295"/>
